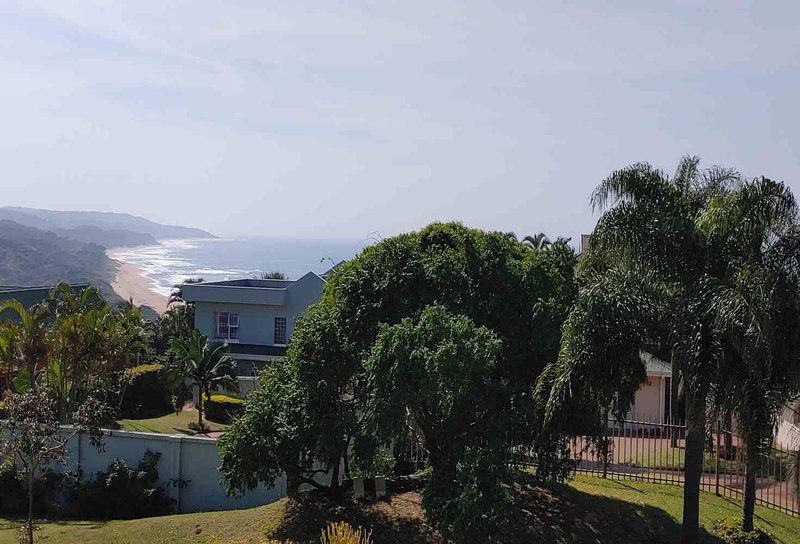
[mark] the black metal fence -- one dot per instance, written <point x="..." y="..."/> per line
<point x="654" y="452"/>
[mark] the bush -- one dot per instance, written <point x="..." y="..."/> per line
<point x="147" y="394"/>
<point x="14" y="493"/>
<point x="122" y="492"/>
<point x="222" y="408"/>
<point x="731" y="532"/>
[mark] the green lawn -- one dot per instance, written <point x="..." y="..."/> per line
<point x="589" y="510"/>
<point x="669" y="458"/>
<point x="169" y="424"/>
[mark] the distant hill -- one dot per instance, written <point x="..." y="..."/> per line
<point x="107" y="221"/>
<point x="107" y="238"/>
<point x="31" y="256"/>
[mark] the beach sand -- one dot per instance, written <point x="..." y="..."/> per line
<point x="129" y="283"/>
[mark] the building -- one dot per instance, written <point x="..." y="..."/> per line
<point x="30" y="296"/>
<point x="255" y="317"/>
<point x="653" y="401"/>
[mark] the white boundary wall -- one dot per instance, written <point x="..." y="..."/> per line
<point x="182" y="457"/>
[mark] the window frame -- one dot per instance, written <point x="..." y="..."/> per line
<point x="276" y="320"/>
<point x="229" y="322"/>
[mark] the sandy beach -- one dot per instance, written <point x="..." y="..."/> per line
<point x="129" y="283"/>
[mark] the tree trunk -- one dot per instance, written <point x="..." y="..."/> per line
<point x="200" y="407"/>
<point x="727" y="435"/>
<point x="751" y="468"/>
<point x="335" y="487"/>
<point x="695" y="448"/>
<point x="29" y="522"/>
<point x="673" y="406"/>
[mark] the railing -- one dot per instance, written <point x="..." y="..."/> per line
<point x="655" y="452"/>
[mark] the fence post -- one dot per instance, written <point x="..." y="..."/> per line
<point x="716" y="459"/>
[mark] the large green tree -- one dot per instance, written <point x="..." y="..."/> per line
<point x="756" y="304"/>
<point x="650" y="253"/>
<point x="439" y="371"/>
<point x="521" y="296"/>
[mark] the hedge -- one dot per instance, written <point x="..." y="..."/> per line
<point x="147" y="394"/>
<point x="222" y="408"/>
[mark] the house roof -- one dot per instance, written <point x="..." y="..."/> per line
<point x="655" y="366"/>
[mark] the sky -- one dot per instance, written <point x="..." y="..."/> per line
<point x="345" y="119"/>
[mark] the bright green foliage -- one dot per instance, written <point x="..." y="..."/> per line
<point x="440" y="370"/>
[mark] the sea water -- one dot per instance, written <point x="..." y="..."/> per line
<point x="172" y="261"/>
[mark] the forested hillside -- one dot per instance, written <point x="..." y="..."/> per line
<point x="30" y="256"/>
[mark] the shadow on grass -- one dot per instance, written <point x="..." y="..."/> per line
<point x="555" y="514"/>
<point x="399" y="519"/>
<point x="560" y="513"/>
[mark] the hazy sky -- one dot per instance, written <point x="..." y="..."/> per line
<point x="343" y="119"/>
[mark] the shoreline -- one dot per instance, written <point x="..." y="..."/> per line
<point x="130" y="283"/>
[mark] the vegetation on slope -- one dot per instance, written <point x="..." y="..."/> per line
<point x="589" y="510"/>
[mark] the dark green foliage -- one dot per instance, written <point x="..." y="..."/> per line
<point x="14" y="495"/>
<point x="222" y="408"/>
<point x="122" y="492"/>
<point x="146" y="394"/>
<point x="302" y="415"/>
<point x="731" y="532"/>
<point x="268" y="439"/>
<point x="441" y="371"/>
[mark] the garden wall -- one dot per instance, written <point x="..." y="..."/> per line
<point x="193" y="459"/>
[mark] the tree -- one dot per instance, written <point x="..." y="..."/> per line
<point x="537" y="241"/>
<point x="29" y="338"/>
<point x="274" y="275"/>
<point x="34" y="439"/>
<point x="305" y="410"/>
<point x="650" y="231"/>
<point x="91" y="345"/>
<point x="205" y="365"/>
<point x="176" y="296"/>
<point x="756" y="304"/>
<point x="521" y="296"/>
<point x="441" y="369"/>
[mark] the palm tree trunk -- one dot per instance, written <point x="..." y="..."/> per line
<point x="673" y="408"/>
<point x="751" y="469"/>
<point x="200" y="407"/>
<point x="695" y="448"/>
<point x="727" y="436"/>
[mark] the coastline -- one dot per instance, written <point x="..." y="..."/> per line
<point x="129" y="283"/>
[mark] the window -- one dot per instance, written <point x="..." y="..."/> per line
<point x="280" y="330"/>
<point x="226" y="326"/>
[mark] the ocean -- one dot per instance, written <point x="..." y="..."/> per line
<point x="172" y="261"/>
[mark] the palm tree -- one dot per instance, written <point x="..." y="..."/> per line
<point x="537" y="241"/>
<point x="756" y="304"/>
<point x="30" y="337"/>
<point x="647" y="255"/>
<point x="274" y="275"/>
<point x="205" y="365"/>
<point x="176" y="296"/>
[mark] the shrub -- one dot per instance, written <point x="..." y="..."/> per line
<point x="342" y="533"/>
<point x="378" y="462"/>
<point x="222" y="408"/>
<point x="14" y="493"/>
<point x="147" y="394"/>
<point x="122" y="492"/>
<point x="731" y="532"/>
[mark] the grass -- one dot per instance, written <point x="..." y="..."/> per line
<point x="588" y="510"/>
<point x="171" y="423"/>
<point x="669" y="458"/>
